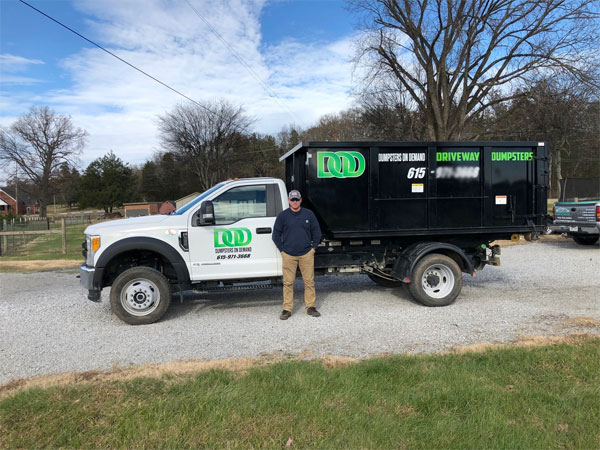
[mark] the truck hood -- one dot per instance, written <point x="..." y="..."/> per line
<point x="132" y="224"/>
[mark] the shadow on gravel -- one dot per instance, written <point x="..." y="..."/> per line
<point x="241" y="300"/>
<point x="325" y="285"/>
<point x="401" y="292"/>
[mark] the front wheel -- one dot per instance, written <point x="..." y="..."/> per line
<point x="586" y="240"/>
<point x="140" y="295"/>
<point x="437" y="281"/>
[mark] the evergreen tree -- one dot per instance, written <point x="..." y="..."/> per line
<point x="150" y="183"/>
<point x="107" y="182"/>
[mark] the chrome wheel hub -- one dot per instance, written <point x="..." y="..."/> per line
<point x="140" y="297"/>
<point x="437" y="281"/>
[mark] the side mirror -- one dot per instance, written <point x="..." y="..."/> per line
<point x="207" y="214"/>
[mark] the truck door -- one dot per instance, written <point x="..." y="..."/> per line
<point x="239" y="244"/>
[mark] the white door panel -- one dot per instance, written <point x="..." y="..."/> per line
<point x="240" y="250"/>
<point x="236" y="247"/>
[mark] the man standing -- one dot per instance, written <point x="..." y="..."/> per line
<point x="296" y="234"/>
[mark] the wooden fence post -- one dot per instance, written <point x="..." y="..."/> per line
<point x="5" y="238"/>
<point x="63" y="229"/>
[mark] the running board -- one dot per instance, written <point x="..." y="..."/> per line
<point x="236" y="288"/>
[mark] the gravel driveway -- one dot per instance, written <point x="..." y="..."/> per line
<point x="47" y="325"/>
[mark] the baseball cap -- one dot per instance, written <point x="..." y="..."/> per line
<point x="294" y="194"/>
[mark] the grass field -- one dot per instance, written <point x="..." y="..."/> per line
<point x="511" y="398"/>
<point x="49" y="246"/>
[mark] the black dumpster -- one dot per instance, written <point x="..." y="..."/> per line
<point x="362" y="189"/>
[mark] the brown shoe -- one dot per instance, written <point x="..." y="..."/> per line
<point x="312" y="311"/>
<point x="285" y="314"/>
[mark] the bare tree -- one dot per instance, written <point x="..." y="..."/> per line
<point x="343" y="126"/>
<point x="40" y="142"/>
<point x="386" y="116"/>
<point x="456" y="58"/>
<point x="206" y="136"/>
<point x="562" y="113"/>
<point x="288" y="138"/>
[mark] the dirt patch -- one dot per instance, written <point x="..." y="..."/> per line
<point x="585" y="322"/>
<point x="39" y="265"/>
<point x="540" y="341"/>
<point x="332" y="361"/>
<point x="525" y="341"/>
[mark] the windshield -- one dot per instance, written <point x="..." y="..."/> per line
<point x="198" y="199"/>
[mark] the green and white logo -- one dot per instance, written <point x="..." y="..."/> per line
<point x="232" y="237"/>
<point x="340" y="164"/>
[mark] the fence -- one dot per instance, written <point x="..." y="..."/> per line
<point x="25" y="236"/>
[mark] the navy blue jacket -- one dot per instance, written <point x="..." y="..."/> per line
<point x="295" y="233"/>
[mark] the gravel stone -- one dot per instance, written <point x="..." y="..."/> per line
<point x="47" y="325"/>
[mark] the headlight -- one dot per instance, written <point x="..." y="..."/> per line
<point x="93" y="245"/>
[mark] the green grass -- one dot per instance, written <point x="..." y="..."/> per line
<point x="49" y="246"/>
<point x="514" y="398"/>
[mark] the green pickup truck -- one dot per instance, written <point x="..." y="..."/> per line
<point x="577" y="213"/>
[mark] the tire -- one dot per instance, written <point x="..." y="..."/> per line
<point x="140" y="295"/>
<point x="586" y="240"/>
<point x="436" y="280"/>
<point x="384" y="282"/>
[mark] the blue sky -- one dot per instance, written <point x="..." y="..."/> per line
<point x="301" y="49"/>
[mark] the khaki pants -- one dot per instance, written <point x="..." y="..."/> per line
<point x="307" y="266"/>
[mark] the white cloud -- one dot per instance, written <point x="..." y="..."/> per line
<point x="15" y="79"/>
<point x="119" y="106"/>
<point x="10" y="62"/>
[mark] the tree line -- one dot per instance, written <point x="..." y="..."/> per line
<point x="500" y="70"/>
<point x="201" y="146"/>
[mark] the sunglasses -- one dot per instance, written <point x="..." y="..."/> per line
<point x="294" y="199"/>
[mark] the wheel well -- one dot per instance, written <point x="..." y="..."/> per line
<point x="450" y="254"/>
<point x="136" y="258"/>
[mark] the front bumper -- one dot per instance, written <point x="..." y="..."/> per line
<point x="86" y="278"/>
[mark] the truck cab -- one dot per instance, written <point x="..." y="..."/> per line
<point x="222" y="235"/>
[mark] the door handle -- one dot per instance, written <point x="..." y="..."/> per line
<point x="266" y="230"/>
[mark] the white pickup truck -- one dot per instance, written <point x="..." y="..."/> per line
<point x="223" y="234"/>
<point x="418" y="214"/>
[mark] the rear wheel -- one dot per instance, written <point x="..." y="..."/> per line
<point x="586" y="240"/>
<point x="436" y="280"/>
<point x="385" y="282"/>
<point x="140" y="295"/>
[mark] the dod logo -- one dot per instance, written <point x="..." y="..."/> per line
<point x="232" y="237"/>
<point x="232" y="243"/>
<point x="340" y="164"/>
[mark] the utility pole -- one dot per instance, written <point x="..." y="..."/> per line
<point x="17" y="189"/>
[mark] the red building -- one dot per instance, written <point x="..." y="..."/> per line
<point x="166" y="207"/>
<point x="141" y="209"/>
<point x="8" y="202"/>
<point x="148" y="208"/>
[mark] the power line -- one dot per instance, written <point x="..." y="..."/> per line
<point x="122" y="60"/>
<point x="250" y="70"/>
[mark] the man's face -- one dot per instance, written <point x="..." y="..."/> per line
<point x="295" y="203"/>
